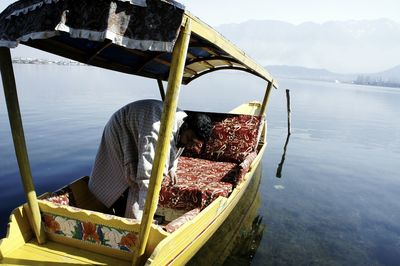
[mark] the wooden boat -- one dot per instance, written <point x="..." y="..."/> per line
<point x="157" y="39"/>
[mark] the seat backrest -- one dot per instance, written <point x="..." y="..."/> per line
<point x="233" y="137"/>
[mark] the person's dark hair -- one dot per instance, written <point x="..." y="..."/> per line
<point x="200" y="124"/>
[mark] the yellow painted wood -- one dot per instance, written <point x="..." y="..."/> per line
<point x="266" y="97"/>
<point x="52" y="253"/>
<point x="18" y="232"/>
<point x="91" y="247"/>
<point x="163" y="143"/>
<point x="89" y="216"/>
<point x="205" y="31"/>
<point x="251" y="108"/>
<point x="14" y="114"/>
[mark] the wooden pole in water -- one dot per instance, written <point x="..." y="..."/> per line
<point x="14" y="114"/>
<point x="280" y="166"/>
<point x="288" y="110"/>
<point x="169" y="109"/>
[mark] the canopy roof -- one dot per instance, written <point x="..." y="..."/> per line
<point x="131" y="36"/>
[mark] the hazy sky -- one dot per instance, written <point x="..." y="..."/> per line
<point x="216" y="12"/>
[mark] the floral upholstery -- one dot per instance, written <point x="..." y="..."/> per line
<point x="177" y="223"/>
<point x="199" y="183"/>
<point x="218" y="167"/>
<point x="232" y="139"/>
<point x="63" y="196"/>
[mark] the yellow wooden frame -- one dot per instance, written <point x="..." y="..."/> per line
<point x="14" y="114"/>
<point x="163" y="145"/>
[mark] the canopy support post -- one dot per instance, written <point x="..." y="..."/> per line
<point x="14" y="115"/>
<point x="163" y="144"/>
<point x="161" y="88"/>
<point x="266" y="97"/>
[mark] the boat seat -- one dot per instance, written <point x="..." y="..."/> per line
<point x="72" y="215"/>
<point x="217" y="169"/>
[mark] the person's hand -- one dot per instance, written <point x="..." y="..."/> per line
<point x="173" y="178"/>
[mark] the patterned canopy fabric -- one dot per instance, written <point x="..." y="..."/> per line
<point x="137" y="24"/>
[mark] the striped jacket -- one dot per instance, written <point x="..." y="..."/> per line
<point x="126" y="152"/>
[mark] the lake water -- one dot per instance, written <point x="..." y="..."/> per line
<point x="337" y="202"/>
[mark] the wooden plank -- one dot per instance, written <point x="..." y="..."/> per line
<point x="251" y="108"/>
<point x="18" y="232"/>
<point x="53" y="253"/>
<point x="89" y="216"/>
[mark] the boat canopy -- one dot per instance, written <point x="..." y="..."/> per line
<point x="130" y="36"/>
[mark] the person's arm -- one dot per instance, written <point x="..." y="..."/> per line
<point x="146" y="153"/>
<point x="172" y="172"/>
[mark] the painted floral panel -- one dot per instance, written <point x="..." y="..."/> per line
<point x="90" y="232"/>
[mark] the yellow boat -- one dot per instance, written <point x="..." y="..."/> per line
<point x="157" y="39"/>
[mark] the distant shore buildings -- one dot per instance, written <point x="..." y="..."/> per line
<point x="377" y="81"/>
<point x="371" y="80"/>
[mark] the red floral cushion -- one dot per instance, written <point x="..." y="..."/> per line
<point x="177" y="223"/>
<point x="63" y="196"/>
<point x="232" y="139"/>
<point x="199" y="183"/>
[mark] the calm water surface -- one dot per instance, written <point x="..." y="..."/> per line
<point x="337" y="202"/>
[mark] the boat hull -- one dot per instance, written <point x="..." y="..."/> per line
<point x="92" y="247"/>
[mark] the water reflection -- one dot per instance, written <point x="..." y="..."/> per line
<point x="280" y="166"/>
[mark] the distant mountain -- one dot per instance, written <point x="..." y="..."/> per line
<point x="340" y="46"/>
<point x="298" y="72"/>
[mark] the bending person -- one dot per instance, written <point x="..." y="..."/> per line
<point x="121" y="172"/>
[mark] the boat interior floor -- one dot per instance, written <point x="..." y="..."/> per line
<point x="52" y="253"/>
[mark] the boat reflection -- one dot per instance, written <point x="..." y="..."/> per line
<point x="237" y="239"/>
